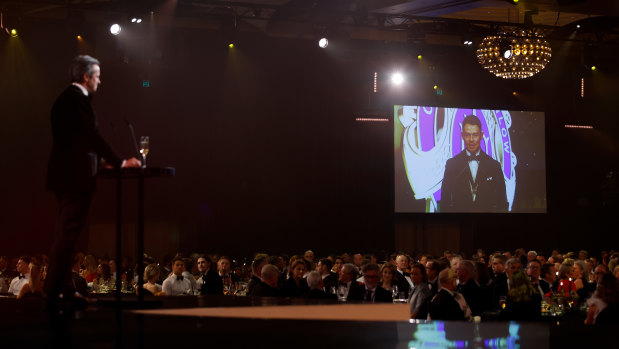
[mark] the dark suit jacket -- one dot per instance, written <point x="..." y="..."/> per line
<point x="499" y="288"/>
<point x="456" y="187"/>
<point x="253" y="281"/>
<point x="473" y="295"/>
<point x="212" y="283"/>
<point x="318" y="294"/>
<point x="330" y="280"/>
<point x="444" y="307"/>
<point x="357" y="293"/>
<point x="292" y="290"/>
<point x="264" y="290"/>
<point x="77" y="144"/>
<point x="546" y="286"/>
<point x="399" y="279"/>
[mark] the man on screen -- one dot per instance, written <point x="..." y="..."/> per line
<point x="473" y="181"/>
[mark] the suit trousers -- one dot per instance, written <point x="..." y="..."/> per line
<point x="73" y="210"/>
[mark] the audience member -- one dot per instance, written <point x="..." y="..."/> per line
<point x="523" y="301"/>
<point x="260" y="260"/>
<point x="387" y="273"/>
<point x="420" y="293"/>
<point x="315" y="284"/>
<point x="448" y="304"/>
<point x="23" y="270"/>
<point x="296" y="285"/>
<point x="329" y="278"/>
<point x="268" y="286"/>
<point x="469" y="288"/>
<point x="370" y="291"/>
<point x="176" y="284"/>
<point x="151" y="276"/>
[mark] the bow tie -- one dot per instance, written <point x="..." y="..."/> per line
<point x="472" y="158"/>
<point x="179" y="277"/>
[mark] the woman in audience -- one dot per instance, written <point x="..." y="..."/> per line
<point x="34" y="287"/>
<point x="90" y="268"/>
<point x="337" y="265"/>
<point x="386" y="276"/>
<point x="523" y="301"/>
<point x="608" y="292"/>
<point x="151" y="275"/>
<point x="296" y="285"/>
<point x="566" y="285"/>
<point x="103" y="282"/>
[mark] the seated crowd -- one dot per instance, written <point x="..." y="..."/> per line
<point x="511" y="286"/>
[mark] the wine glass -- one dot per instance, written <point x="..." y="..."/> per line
<point x="144" y="147"/>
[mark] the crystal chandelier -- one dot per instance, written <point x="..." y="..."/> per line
<point x="515" y="55"/>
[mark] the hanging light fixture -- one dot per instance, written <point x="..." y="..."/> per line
<point x="514" y="55"/>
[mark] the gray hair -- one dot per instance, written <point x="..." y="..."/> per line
<point x="269" y="272"/>
<point x="468" y="265"/>
<point x="350" y="269"/>
<point x="313" y="279"/>
<point x="80" y="65"/>
<point x="584" y="268"/>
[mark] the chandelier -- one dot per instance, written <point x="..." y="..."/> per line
<point x="514" y="55"/>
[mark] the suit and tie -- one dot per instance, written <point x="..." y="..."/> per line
<point x="459" y="187"/>
<point x="362" y="293"/>
<point x="73" y="163"/>
<point x="445" y="307"/>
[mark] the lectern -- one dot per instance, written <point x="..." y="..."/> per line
<point x="139" y="174"/>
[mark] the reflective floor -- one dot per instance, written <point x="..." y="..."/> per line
<point x="26" y="324"/>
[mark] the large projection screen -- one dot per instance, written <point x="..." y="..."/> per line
<point x="508" y="174"/>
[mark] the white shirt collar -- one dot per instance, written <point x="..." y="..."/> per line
<point x="476" y="154"/>
<point x="84" y="91"/>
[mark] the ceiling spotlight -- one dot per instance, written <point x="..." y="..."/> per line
<point x="593" y="68"/>
<point x="231" y="45"/>
<point x="419" y="57"/>
<point x="13" y="33"/>
<point x="136" y="20"/>
<point x="323" y="43"/>
<point x="397" y="78"/>
<point x="578" y="26"/>
<point x="115" y="29"/>
<point x="467" y="42"/>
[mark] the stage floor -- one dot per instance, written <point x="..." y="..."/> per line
<point x="237" y="322"/>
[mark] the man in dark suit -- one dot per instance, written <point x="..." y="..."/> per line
<point x="370" y="291"/>
<point x="473" y="181"/>
<point x="268" y="283"/>
<point x="448" y="304"/>
<point x="470" y="289"/>
<point x="77" y="151"/>
<point x="498" y="282"/>
<point x="329" y="278"/>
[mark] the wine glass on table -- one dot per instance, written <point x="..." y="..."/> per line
<point x="144" y="147"/>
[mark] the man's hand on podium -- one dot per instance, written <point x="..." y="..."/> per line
<point x="133" y="162"/>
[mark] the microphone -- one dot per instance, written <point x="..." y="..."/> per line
<point x="135" y="142"/>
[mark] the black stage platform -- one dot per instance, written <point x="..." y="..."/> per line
<point x="241" y="322"/>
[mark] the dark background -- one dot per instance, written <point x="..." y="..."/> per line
<point x="268" y="154"/>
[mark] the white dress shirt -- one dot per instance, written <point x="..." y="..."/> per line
<point x="174" y="287"/>
<point x="17" y="283"/>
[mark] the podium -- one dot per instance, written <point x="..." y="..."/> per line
<point x="139" y="174"/>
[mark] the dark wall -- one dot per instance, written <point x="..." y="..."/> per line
<point x="263" y="138"/>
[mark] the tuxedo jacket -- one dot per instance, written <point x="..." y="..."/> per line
<point x="444" y="307"/>
<point x="499" y="288"/>
<point x="211" y="283"/>
<point x="457" y="181"/>
<point x="77" y="145"/>
<point x="330" y="280"/>
<point x="264" y="290"/>
<point x="357" y="293"/>
<point x="473" y="295"/>
<point x="399" y="279"/>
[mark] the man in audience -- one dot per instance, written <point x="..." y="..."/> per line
<point x="260" y="260"/>
<point x="224" y="265"/>
<point x="268" y="283"/>
<point x="402" y="277"/>
<point x="548" y="277"/>
<point x="309" y="256"/>
<point x="534" y="270"/>
<point x="511" y="266"/>
<point x="348" y="274"/>
<point x="329" y="278"/>
<point x="498" y="282"/>
<point x="370" y="291"/>
<point x="208" y="282"/>
<point x="357" y="260"/>
<point x="448" y="304"/>
<point x="315" y="284"/>
<point x="176" y="284"/>
<point x="433" y="267"/>
<point x="469" y="288"/>
<point x="23" y="270"/>
<point x="531" y="255"/>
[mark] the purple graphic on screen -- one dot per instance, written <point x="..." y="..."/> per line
<point x="507" y="159"/>
<point x="426" y="128"/>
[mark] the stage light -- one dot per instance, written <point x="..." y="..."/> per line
<point x="515" y="93"/>
<point x="79" y="37"/>
<point x="419" y="57"/>
<point x="577" y="26"/>
<point x="231" y="45"/>
<point x="115" y="29"/>
<point x="593" y="68"/>
<point x="323" y="43"/>
<point x="468" y="42"/>
<point x="435" y="87"/>
<point x="136" y="20"/>
<point x="397" y="78"/>
<point x="13" y="33"/>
